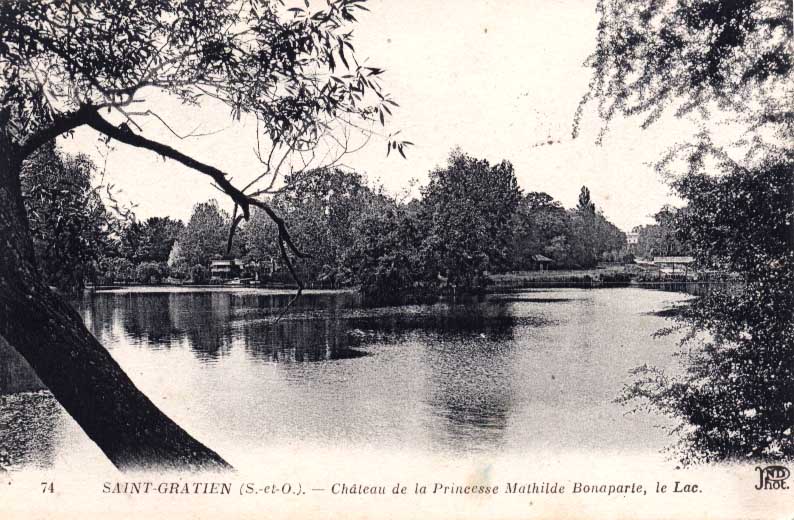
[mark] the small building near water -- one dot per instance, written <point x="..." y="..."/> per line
<point x="674" y="264"/>
<point x="225" y="268"/>
<point x="540" y="262"/>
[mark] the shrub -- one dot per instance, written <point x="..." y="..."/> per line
<point x="199" y="274"/>
<point x="151" y="272"/>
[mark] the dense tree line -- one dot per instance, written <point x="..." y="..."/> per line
<point x="576" y="238"/>
<point x="445" y="241"/>
<point x="141" y="251"/>
<point x="324" y="209"/>
<point x="470" y="220"/>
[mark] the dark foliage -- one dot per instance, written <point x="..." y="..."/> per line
<point x="660" y="239"/>
<point x="692" y="56"/>
<point x="70" y="226"/>
<point x="150" y="240"/>
<point x="467" y="211"/>
<point x="736" y="396"/>
<point x="578" y="238"/>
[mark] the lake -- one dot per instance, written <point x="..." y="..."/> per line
<point x="532" y="371"/>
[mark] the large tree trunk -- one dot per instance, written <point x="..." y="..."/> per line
<point x="81" y="374"/>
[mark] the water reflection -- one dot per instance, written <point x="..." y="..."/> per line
<point x="299" y="340"/>
<point x="318" y="327"/>
<point x="466" y="347"/>
<point x="471" y="387"/>
<point x="528" y="370"/>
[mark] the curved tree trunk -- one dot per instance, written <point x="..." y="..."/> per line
<point x="81" y="374"/>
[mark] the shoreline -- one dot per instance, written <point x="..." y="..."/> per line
<point x="565" y="282"/>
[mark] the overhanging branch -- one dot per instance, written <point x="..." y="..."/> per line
<point x="127" y="136"/>
<point x="236" y="219"/>
<point x="61" y="124"/>
<point x="88" y="115"/>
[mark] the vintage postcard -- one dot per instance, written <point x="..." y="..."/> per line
<point x="316" y="259"/>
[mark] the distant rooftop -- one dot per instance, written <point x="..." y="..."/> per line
<point x="225" y="261"/>
<point x="673" y="260"/>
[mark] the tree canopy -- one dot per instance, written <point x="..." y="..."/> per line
<point x="468" y="209"/>
<point x="662" y="238"/>
<point x="585" y="204"/>
<point x="718" y="60"/>
<point x="575" y="238"/>
<point x="689" y="56"/>
<point x="324" y="209"/>
<point x="70" y="225"/>
<point x="255" y="56"/>
<point x="205" y="235"/>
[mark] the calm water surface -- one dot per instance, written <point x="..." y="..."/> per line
<point x="536" y="370"/>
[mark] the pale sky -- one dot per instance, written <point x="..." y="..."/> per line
<point x="492" y="77"/>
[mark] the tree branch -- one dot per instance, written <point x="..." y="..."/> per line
<point x="236" y="219"/>
<point x="282" y="227"/>
<point x="295" y="277"/>
<point x="61" y="124"/>
<point x="126" y="136"/>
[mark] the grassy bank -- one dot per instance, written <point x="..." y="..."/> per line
<point x="611" y="275"/>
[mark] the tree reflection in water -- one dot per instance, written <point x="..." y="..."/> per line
<point x="466" y="347"/>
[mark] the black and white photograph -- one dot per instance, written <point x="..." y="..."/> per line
<point x="482" y="259"/>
